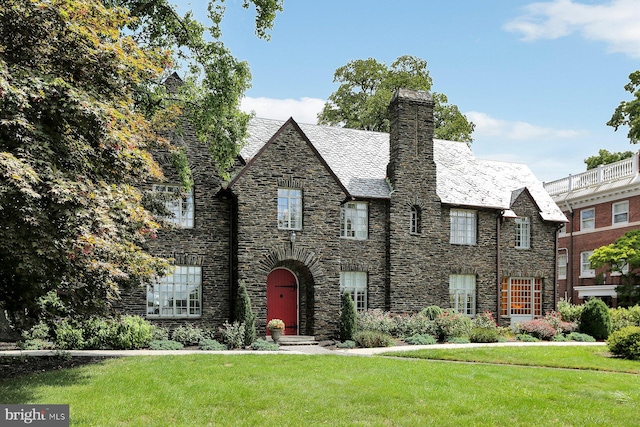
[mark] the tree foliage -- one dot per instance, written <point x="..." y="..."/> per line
<point x="367" y="86"/>
<point x="628" y="112"/>
<point x="82" y="104"/>
<point x="623" y="257"/>
<point x="605" y="157"/>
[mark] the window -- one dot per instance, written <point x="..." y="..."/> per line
<point x="563" y="229"/>
<point x="415" y="223"/>
<point x="462" y="293"/>
<point x="523" y="233"/>
<point x="562" y="266"/>
<point x="620" y="212"/>
<point x="355" y="284"/>
<point x="179" y="202"/>
<point x="587" y="219"/>
<point x="521" y="296"/>
<point x="585" y="265"/>
<point x="289" y="209"/>
<point x="463" y="227"/>
<point x="177" y="294"/>
<point x="354" y="221"/>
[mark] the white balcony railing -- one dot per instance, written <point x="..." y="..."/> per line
<point x="602" y="174"/>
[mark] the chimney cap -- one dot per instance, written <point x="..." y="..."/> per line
<point x="412" y="94"/>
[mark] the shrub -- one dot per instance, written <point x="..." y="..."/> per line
<point x="451" y="324"/>
<point x="158" y="333"/>
<point x="526" y="338"/>
<point x="131" y="332"/>
<point x="35" y="344"/>
<point x="375" y="320"/>
<point x="538" y="328"/>
<point x="621" y="317"/>
<point x="346" y="344"/>
<point x="39" y="331"/>
<point x="263" y="345"/>
<point x="420" y="339"/>
<point x="416" y="324"/>
<point x="432" y="312"/>
<point x="577" y="336"/>
<point x="348" y="322"/>
<point x="569" y="312"/>
<point x="368" y="339"/>
<point x="484" y="335"/>
<point x="245" y="315"/>
<point x="69" y="337"/>
<point x="458" y="340"/>
<point x="559" y="338"/>
<point x="165" y="345"/>
<point x="99" y="333"/>
<point x="555" y="320"/>
<point x="210" y="344"/>
<point x="188" y="334"/>
<point x="626" y="343"/>
<point x="595" y="319"/>
<point x="233" y="334"/>
<point x="485" y="320"/>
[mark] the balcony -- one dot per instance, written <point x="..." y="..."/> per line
<point x="603" y="174"/>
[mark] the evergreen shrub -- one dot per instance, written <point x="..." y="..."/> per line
<point x="626" y="343"/>
<point x="595" y="319"/>
<point x="348" y="318"/>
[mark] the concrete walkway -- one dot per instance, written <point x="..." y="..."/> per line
<point x="298" y="349"/>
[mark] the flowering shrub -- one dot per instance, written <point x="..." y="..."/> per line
<point x="408" y="325"/>
<point x="538" y="328"/>
<point x="368" y="339"/>
<point x="275" y="324"/>
<point x="478" y="334"/>
<point x="485" y="320"/>
<point x="376" y="320"/>
<point x="452" y="324"/>
<point x="569" y="312"/>
<point x="233" y="335"/>
<point x="556" y="321"/>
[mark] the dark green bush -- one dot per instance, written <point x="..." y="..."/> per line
<point x="99" y="333"/>
<point x="35" y="344"/>
<point x="484" y="335"/>
<point x="209" y="344"/>
<point x="458" y="340"/>
<point x="626" y="343"/>
<point x="526" y="338"/>
<point x="577" y="336"/>
<point x="595" y="319"/>
<point x="68" y="336"/>
<point x="165" y="345"/>
<point x="432" y="312"/>
<point x="263" y="345"/>
<point x="420" y="339"/>
<point x="559" y="338"/>
<point x="346" y="344"/>
<point x="131" y="332"/>
<point x="188" y="334"/>
<point x="245" y="315"/>
<point x="348" y="321"/>
<point x="369" y="339"/>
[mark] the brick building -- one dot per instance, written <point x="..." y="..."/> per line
<point x="601" y="204"/>
<point x="400" y="220"/>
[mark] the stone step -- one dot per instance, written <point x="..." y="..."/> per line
<point x="296" y="340"/>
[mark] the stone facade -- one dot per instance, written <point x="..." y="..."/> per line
<point x="236" y="236"/>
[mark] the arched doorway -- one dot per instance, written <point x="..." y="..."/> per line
<point x="282" y="299"/>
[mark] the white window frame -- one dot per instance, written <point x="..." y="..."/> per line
<point x="289" y="208"/>
<point x="176" y="295"/>
<point x="179" y="202"/>
<point x="415" y="220"/>
<point x="463" y="227"/>
<point x="585" y="265"/>
<point x="622" y="216"/>
<point x="562" y="266"/>
<point x="588" y="219"/>
<point x="523" y="233"/>
<point x="354" y="220"/>
<point x="462" y="293"/>
<point x="355" y="283"/>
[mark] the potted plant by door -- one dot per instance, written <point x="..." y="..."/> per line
<point x="276" y="326"/>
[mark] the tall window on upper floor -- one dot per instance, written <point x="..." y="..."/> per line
<point x="620" y="212"/>
<point x="523" y="233"/>
<point x="177" y="294"/>
<point x="463" y="227"/>
<point x="289" y="209"/>
<point x="355" y="284"/>
<point x="587" y="219"/>
<point x="462" y="293"/>
<point x="585" y="265"/>
<point x="179" y="202"/>
<point x="415" y="220"/>
<point x="562" y="266"/>
<point x="354" y="220"/>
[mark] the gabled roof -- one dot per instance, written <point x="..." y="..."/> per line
<point x="359" y="160"/>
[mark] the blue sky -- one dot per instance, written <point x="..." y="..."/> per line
<point x="539" y="79"/>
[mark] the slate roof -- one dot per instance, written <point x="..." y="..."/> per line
<point x="359" y="159"/>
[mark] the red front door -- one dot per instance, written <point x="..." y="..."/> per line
<point x="282" y="299"/>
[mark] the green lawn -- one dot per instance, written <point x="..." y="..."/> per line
<point x="295" y="390"/>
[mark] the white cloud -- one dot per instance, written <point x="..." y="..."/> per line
<point x="303" y="110"/>
<point x="490" y="126"/>
<point x="614" y="23"/>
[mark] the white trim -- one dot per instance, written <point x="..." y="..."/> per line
<point x="591" y="220"/>
<point x="607" y="228"/>
<point x="613" y="213"/>
<point x="596" y="291"/>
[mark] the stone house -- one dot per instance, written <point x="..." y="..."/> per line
<point x="400" y="220"/>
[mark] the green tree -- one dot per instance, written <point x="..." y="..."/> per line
<point x="595" y="319"/>
<point x="244" y="314"/>
<point x="628" y="112"/>
<point x="348" y="318"/>
<point x="622" y="256"/>
<point x="367" y="86"/>
<point x="605" y="157"/>
<point x="82" y="105"/>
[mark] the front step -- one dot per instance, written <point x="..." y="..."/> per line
<point x="296" y="340"/>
